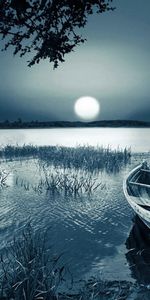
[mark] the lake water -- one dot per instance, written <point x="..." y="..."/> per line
<point x="91" y="231"/>
<point x="136" y="138"/>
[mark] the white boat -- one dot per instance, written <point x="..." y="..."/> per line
<point x="136" y="187"/>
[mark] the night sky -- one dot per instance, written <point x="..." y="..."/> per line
<point x="112" y="66"/>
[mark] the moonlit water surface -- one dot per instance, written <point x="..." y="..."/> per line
<point x="136" y="138"/>
<point x="90" y="231"/>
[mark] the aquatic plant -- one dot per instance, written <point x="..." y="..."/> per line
<point x="29" y="271"/>
<point x="89" y="158"/>
<point x="92" y="159"/>
<point x="17" y="151"/>
<point x="69" y="182"/>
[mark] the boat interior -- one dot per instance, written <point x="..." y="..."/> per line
<point x="138" y="185"/>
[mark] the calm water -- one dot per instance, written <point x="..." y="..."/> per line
<point x="91" y="231"/>
<point x="136" y="138"/>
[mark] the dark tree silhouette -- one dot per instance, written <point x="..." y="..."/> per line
<point x="47" y="28"/>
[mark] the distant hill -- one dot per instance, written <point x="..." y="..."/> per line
<point x="66" y="124"/>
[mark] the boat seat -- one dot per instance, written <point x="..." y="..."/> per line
<point x="145" y="170"/>
<point x="139" y="184"/>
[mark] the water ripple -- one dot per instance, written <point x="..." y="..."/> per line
<point x="89" y="228"/>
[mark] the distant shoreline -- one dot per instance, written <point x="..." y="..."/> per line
<point x="19" y="124"/>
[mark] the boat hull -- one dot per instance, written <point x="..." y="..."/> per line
<point x="137" y="195"/>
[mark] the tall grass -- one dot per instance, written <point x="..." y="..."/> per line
<point x="29" y="271"/>
<point x="72" y="182"/>
<point x="67" y="182"/>
<point x="18" y="151"/>
<point x="71" y="171"/>
<point x="86" y="157"/>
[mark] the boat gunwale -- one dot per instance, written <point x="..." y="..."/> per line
<point x="126" y="179"/>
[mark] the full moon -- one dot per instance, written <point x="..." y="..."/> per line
<point x="87" y="108"/>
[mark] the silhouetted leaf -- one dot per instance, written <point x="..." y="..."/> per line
<point x="46" y="28"/>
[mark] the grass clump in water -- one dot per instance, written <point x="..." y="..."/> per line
<point x="29" y="271"/>
<point x="66" y="182"/>
<point x="71" y="182"/>
<point x="82" y="157"/>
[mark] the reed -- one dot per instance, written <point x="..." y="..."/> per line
<point x="89" y="158"/>
<point x="67" y="182"/>
<point x="29" y="271"/>
<point x="70" y="182"/>
<point x="92" y="159"/>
